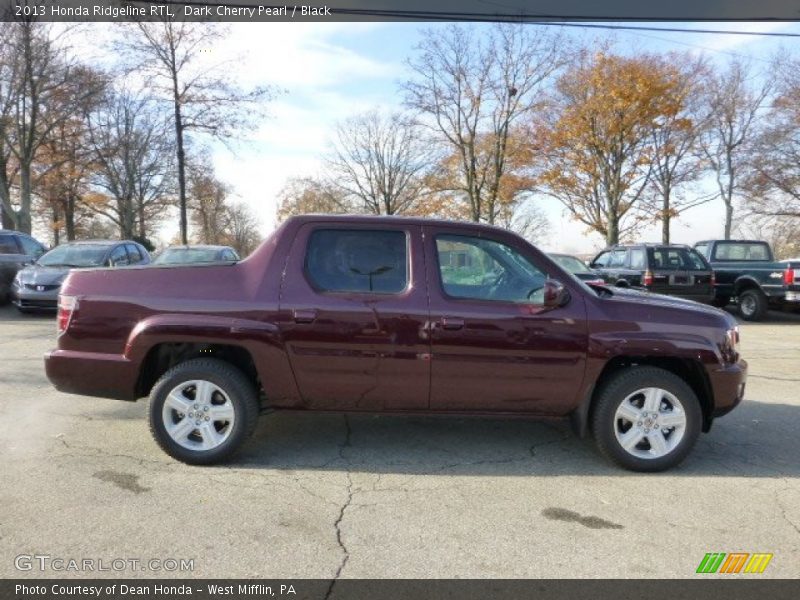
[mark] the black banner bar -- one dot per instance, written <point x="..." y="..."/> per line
<point x="537" y="11"/>
<point x="713" y="588"/>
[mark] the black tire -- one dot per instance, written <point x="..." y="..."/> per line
<point x="620" y="386"/>
<point x="753" y="304"/>
<point x="232" y="382"/>
<point x="721" y="301"/>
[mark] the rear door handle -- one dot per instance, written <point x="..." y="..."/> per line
<point x="305" y="315"/>
<point x="452" y="323"/>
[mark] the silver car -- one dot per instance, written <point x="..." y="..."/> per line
<point x="36" y="287"/>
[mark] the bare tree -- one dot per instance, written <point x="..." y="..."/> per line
<point x="40" y="88"/>
<point x="201" y="99"/>
<point x="207" y="201"/>
<point x="134" y="155"/>
<point x="675" y="140"/>
<point x="734" y="100"/>
<point x="473" y="92"/>
<point x="379" y="162"/>
<point x="243" y="229"/>
<point x="773" y="183"/>
<point x="304" y="195"/>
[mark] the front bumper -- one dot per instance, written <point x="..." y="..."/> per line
<point x="91" y="374"/>
<point x="728" y="385"/>
<point x="27" y="299"/>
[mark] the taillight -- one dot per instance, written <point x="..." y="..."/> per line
<point x="67" y="305"/>
<point x="788" y="276"/>
<point x="648" y="278"/>
<point x="713" y="280"/>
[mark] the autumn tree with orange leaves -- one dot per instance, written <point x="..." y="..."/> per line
<point x="593" y="147"/>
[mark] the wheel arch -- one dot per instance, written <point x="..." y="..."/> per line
<point x="691" y="371"/>
<point x="746" y="282"/>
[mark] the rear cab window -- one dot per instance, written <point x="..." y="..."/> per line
<point x="358" y="261"/>
<point x="741" y="251"/>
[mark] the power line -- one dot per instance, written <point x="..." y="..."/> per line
<point x="521" y="17"/>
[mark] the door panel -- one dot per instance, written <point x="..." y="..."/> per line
<point x="505" y="355"/>
<point x="365" y="345"/>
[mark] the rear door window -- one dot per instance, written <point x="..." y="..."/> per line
<point x="359" y="260"/>
<point x="134" y="254"/>
<point x="638" y="260"/>
<point x="8" y="245"/>
<point x="119" y="257"/>
<point x="677" y="259"/>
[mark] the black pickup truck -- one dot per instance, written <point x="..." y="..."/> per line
<point x="746" y="270"/>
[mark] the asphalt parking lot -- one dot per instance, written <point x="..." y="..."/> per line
<point x="324" y="496"/>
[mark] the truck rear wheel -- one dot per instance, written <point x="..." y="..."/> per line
<point x="201" y="411"/>
<point x="752" y="305"/>
<point x="646" y="419"/>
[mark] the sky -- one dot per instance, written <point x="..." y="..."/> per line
<point x="330" y="71"/>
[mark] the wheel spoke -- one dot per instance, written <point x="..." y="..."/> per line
<point x="222" y="412"/>
<point x="629" y="412"/>
<point x="632" y="437"/>
<point x="205" y="389"/>
<point x="178" y="402"/>
<point x="657" y="442"/>
<point x="673" y="418"/>
<point x="652" y="399"/>
<point x="211" y="438"/>
<point x="181" y="430"/>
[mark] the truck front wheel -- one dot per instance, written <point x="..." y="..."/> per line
<point x="752" y="305"/>
<point x="202" y="410"/>
<point x="646" y="419"/>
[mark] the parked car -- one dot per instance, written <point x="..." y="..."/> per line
<point x="671" y="269"/>
<point x="396" y="315"/>
<point x="16" y="250"/>
<point x="577" y="267"/>
<point x="746" y="271"/>
<point x="183" y="255"/>
<point x="36" y="287"/>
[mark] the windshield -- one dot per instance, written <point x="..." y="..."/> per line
<point x="571" y="263"/>
<point x="182" y="256"/>
<point x="74" y="255"/>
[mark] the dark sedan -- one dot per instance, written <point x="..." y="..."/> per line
<point x="187" y="255"/>
<point x="36" y="287"/>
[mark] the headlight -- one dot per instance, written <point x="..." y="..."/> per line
<point x="733" y="338"/>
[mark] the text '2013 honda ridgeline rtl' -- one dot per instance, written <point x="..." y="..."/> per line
<point x="393" y="315"/>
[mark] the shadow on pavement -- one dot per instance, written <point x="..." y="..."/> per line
<point x="756" y="440"/>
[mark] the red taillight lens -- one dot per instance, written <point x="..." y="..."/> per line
<point x="648" y="278"/>
<point x="67" y="305"/>
<point x="788" y="276"/>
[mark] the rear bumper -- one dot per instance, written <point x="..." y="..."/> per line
<point x="792" y="297"/>
<point x="91" y="374"/>
<point x="728" y="384"/>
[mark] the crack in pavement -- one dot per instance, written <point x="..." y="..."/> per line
<point x="783" y="508"/>
<point x="772" y="378"/>
<point x="348" y="500"/>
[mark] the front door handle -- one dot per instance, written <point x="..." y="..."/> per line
<point x="452" y="323"/>
<point x="307" y="315"/>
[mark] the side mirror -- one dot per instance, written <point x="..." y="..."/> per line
<point x="555" y="294"/>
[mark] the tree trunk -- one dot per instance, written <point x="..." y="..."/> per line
<point x="24" y="213"/>
<point x="56" y="228"/>
<point x="181" y="162"/>
<point x="728" y="218"/>
<point x="612" y="234"/>
<point x="69" y="218"/>
<point x="142" y="230"/>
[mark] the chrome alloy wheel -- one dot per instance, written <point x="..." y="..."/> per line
<point x="650" y="423"/>
<point x="198" y="415"/>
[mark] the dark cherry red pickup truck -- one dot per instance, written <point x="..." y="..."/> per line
<point x="396" y="315"/>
